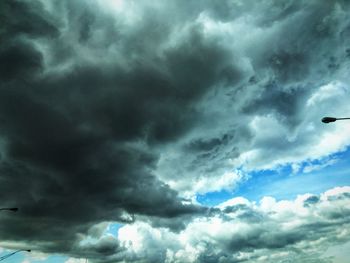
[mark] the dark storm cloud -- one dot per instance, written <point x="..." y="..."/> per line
<point x="19" y="58"/>
<point x="23" y="18"/>
<point x="77" y="144"/>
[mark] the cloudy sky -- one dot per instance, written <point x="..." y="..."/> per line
<point x="175" y="131"/>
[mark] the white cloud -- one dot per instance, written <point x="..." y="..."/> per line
<point x="336" y="191"/>
<point x="226" y="181"/>
<point x="75" y="260"/>
<point x="244" y="231"/>
<point x="338" y="253"/>
<point x="314" y="167"/>
<point x="326" y="92"/>
<point x="275" y="144"/>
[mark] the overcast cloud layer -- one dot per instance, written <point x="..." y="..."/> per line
<point x="126" y="110"/>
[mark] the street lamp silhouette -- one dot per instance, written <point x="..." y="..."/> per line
<point x="11" y="254"/>
<point x="13" y="209"/>
<point x="332" y="119"/>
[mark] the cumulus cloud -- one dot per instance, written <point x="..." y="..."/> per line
<point x="239" y="230"/>
<point x="124" y="111"/>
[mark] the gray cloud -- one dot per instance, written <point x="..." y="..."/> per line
<point x="111" y="113"/>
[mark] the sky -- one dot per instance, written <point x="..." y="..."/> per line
<point x="175" y="131"/>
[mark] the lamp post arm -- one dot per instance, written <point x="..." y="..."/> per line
<point x="332" y="119"/>
<point x="13" y="209"/>
<point x="343" y="118"/>
<point x="11" y="254"/>
<point x="7" y="256"/>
